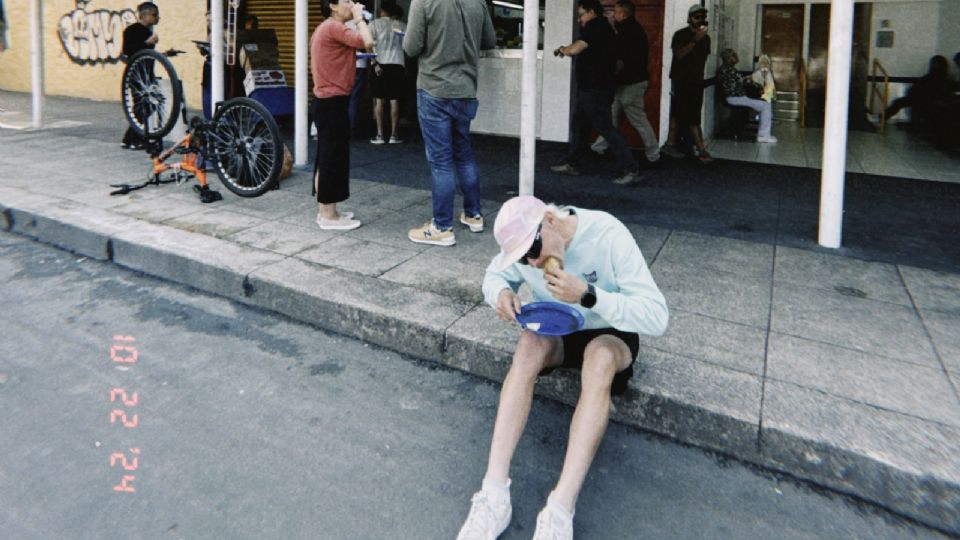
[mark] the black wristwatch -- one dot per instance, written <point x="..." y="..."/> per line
<point x="589" y="298"/>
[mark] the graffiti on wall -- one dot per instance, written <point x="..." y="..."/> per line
<point x="94" y="37"/>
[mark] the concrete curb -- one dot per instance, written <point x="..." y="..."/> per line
<point x="467" y="337"/>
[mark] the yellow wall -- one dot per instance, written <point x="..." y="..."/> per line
<point x="180" y="22"/>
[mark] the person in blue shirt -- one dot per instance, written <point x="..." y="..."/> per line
<point x="601" y="273"/>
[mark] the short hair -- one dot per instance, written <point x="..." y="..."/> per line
<point x="394" y="11"/>
<point x="726" y="54"/>
<point x="146" y="7"/>
<point x="592" y="5"/>
<point x="252" y="19"/>
<point x="627" y="6"/>
<point x="557" y="211"/>
<point x="325" y="6"/>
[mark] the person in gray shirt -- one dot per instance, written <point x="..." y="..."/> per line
<point x="446" y="37"/>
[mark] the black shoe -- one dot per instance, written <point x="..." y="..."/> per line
<point x="207" y="195"/>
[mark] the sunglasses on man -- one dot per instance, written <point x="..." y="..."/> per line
<point x="535" y="247"/>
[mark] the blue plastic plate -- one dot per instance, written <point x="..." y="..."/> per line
<point x="550" y="318"/>
<point x="366" y="55"/>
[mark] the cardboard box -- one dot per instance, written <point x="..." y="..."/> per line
<point x="258" y="50"/>
<point x="265" y="78"/>
<point x="259" y="57"/>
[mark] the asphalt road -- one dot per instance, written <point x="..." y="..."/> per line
<point x="248" y="425"/>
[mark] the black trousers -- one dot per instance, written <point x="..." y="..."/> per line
<point x="592" y="109"/>
<point x="331" y="173"/>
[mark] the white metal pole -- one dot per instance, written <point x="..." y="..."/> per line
<point x="835" y="131"/>
<point x="216" y="53"/>
<point x="529" y="96"/>
<point x="300" y="120"/>
<point x="36" y="62"/>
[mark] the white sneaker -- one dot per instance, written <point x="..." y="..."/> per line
<point x="489" y="516"/>
<point x="344" y="223"/>
<point x="629" y="178"/>
<point x="565" y="168"/>
<point x="347" y="215"/>
<point x="769" y="139"/>
<point x="377" y="140"/>
<point x="553" y="523"/>
<point x="600" y="145"/>
<point x="395" y="140"/>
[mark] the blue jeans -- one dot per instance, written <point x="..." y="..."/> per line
<point x="445" y="125"/>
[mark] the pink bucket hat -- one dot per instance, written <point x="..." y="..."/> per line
<point x="516" y="227"/>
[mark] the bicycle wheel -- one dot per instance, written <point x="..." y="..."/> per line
<point x="246" y="146"/>
<point x="151" y="106"/>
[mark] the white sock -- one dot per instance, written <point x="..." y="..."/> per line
<point x="497" y="487"/>
<point x="558" y="508"/>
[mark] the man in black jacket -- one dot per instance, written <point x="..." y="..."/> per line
<point x="136" y="37"/>
<point x="633" y="52"/>
<point x="691" y="47"/>
<point x="596" y="58"/>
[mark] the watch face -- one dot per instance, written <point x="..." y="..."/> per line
<point x="589" y="298"/>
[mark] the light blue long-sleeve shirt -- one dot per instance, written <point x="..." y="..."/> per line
<point x="603" y="253"/>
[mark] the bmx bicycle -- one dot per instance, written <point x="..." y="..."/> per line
<point x="242" y="142"/>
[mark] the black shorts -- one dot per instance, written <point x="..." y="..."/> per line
<point x="389" y="84"/>
<point x="686" y="103"/>
<point x="574" y="344"/>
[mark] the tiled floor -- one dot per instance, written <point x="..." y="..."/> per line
<point x="894" y="153"/>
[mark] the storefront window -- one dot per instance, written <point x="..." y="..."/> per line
<point x="508" y="22"/>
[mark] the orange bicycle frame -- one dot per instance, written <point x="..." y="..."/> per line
<point x="189" y="163"/>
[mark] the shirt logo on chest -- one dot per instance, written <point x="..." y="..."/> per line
<point x="591" y="277"/>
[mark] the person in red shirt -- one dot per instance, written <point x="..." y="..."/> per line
<point x="332" y="57"/>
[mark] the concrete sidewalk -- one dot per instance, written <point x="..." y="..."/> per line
<point x="837" y="370"/>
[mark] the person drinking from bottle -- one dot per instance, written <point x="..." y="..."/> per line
<point x="332" y="58"/>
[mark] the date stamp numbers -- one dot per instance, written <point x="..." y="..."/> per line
<point x="123" y="413"/>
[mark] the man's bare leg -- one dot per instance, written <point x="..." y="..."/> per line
<point x="378" y="113"/>
<point x="533" y="354"/>
<point x="394" y="117"/>
<point x="698" y="139"/>
<point x="603" y="358"/>
<point x="672" y="133"/>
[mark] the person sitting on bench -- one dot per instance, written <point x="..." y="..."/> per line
<point x="732" y="87"/>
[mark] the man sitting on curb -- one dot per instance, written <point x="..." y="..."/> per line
<point x="606" y="279"/>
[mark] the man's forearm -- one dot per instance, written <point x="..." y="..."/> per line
<point x="572" y="49"/>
